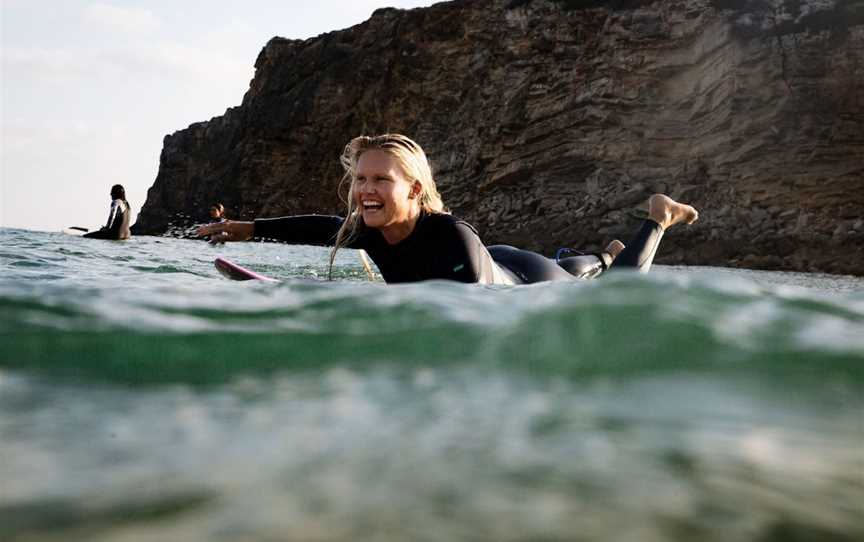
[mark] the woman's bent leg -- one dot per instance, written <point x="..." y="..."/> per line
<point x="664" y="212"/>
<point x="640" y="251"/>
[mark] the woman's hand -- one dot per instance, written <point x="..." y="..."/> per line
<point x="221" y="232"/>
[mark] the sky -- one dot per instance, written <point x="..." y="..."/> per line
<point x="90" y="89"/>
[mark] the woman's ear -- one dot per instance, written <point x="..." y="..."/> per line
<point x="416" y="189"/>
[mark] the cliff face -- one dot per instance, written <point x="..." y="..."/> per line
<point x="548" y="120"/>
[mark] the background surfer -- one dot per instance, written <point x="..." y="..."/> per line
<point x="217" y="212"/>
<point x="395" y="214"/>
<point x="118" y="217"/>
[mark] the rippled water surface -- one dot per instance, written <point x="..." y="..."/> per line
<point x="145" y="397"/>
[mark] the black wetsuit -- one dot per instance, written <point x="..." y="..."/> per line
<point x="440" y="247"/>
<point x="118" y="222"/>
<point x="532" y="267"/>
<point x="444" y="247"/>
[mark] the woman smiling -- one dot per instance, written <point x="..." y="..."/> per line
<point x="396" y="215"/>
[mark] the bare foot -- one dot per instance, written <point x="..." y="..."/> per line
<point x="667" y="212"/>
<point x="614" y="248"/>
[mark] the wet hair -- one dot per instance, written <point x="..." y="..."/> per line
<point x="415" y="168"/>
<point x="118" y="192"/>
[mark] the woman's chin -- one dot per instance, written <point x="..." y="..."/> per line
<point x="373" y="219"/>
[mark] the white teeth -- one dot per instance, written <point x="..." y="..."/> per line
<point x="372" y="204"/>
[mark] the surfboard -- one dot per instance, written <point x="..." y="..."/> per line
<point x="233" y="271"/>
<point x="75" y="230"/>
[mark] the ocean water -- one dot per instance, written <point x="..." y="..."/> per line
<point x="145" y="397"/>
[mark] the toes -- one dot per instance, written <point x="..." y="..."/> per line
<point x="694" y="216"/>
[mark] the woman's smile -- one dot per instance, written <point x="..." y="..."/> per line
<point x="372" y="206"/>
<point x="385" y="196"/>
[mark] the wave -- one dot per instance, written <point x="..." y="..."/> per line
<point x="623" y="324"/>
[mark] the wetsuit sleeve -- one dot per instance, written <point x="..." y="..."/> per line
<point x="461" y="255"/>
<point x="112" y="214"/>
<point x="317" y="230"/>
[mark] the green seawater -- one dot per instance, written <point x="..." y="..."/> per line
<point x="145" y="397"/>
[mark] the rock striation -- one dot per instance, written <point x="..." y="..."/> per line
<point x="549" y="121"/>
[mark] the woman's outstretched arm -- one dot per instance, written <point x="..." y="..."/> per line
<point x="299" y="230"/>
<point x="230" y="230"/>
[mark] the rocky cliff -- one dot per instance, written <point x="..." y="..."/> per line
<point x="547" y="121"/>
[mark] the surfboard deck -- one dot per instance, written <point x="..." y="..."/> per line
<point x="233" y="271"/>
<point x="75" y="230"/>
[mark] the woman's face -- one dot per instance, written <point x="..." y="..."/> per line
<point x="385" y="198"/>
<point x="215" y="213"/>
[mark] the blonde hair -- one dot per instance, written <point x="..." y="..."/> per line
<point x="414" y="165"/>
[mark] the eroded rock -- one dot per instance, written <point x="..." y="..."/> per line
<point x="754" y="110"/>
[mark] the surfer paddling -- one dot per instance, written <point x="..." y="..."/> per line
<point x="395" y="213"/>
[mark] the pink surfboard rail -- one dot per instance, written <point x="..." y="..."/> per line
<point x="236" y="272"/>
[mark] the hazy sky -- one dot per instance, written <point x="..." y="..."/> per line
<point x="89" y="89"/>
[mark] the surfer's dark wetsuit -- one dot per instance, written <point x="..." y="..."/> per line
<point x="118" y="222"/>
<point x="532" y="267"/>
<point x="440" y="247"/>
<point x="444" y="247"/>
